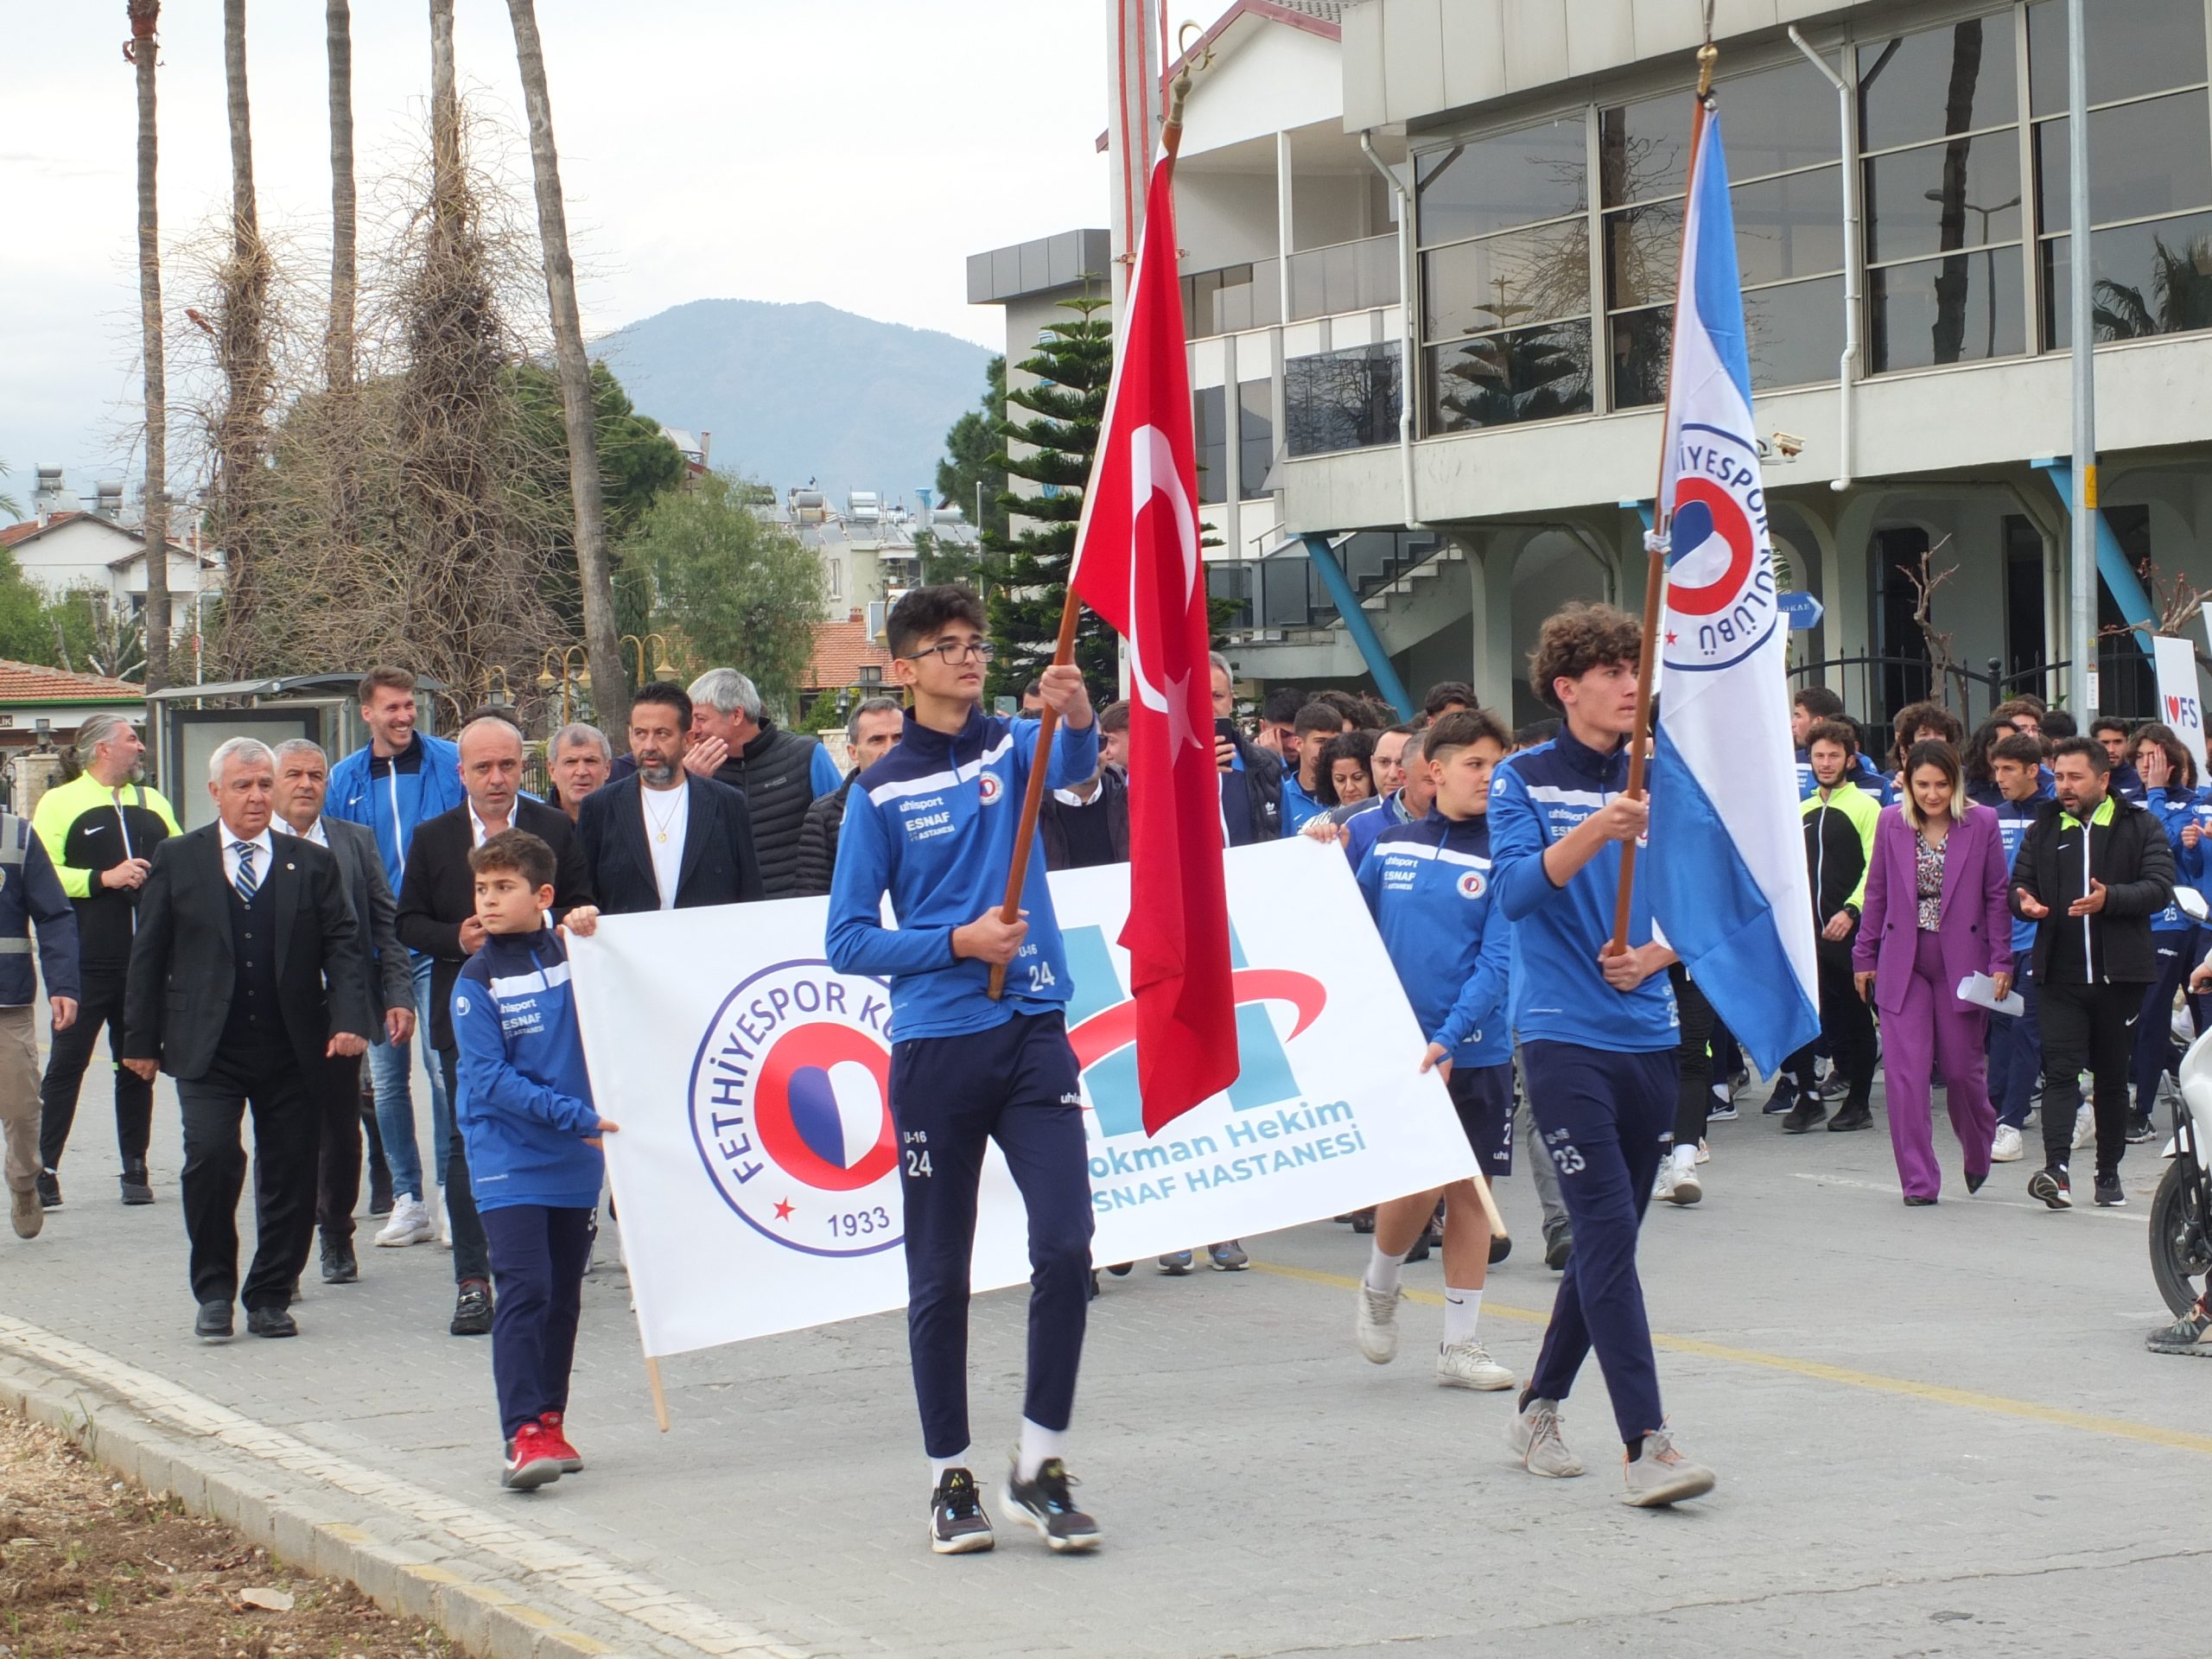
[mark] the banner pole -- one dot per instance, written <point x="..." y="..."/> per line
<point x="660" y="1399"/>
<point x="1490" y="1205"/>
<point x="1655" y="572"/>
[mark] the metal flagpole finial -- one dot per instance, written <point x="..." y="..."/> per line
<point x="1179" y="88"/>
<point x="1707" y="56"/>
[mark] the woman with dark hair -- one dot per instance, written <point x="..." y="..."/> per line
<point x="2168" y="772"/>
<point x="1346" y="776"/>
<point x="1935" y="913"/>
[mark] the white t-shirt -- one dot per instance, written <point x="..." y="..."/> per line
<point x="667" y="813"/>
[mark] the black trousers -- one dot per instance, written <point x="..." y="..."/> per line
<point x="99" y="1004"/>
<point x="471" y="1256"/>
<point x="1694" y="1094"/>
<point x="337" y="1157"/>
<point x="1846" y="1030"/>
<point x="2091" y="1026"/>
<point x="287" y="1126"/>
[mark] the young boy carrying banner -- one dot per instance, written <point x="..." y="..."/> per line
<point x="932" y="825"/>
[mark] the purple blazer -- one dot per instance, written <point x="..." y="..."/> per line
<point x="1976" y="936"/>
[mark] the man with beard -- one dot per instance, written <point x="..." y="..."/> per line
<point x="663" y="838"/>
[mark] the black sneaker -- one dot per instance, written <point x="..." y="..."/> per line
<point x="2141" y="1127"/>
<point x="270" y="1322"/>
<point x="2051" y="1185"/>
<point x="1559" y="1245"/>
<point x="340" y="1266"/>
<point x="49" y="1190"/>
<point x="137" y="1188"/>
<point x="1363" y="1222"/>
<point x="1852" y="1116"/>
<point x="380" y="1194"/>
<point x="1045" y="1505"/>
<point x="1835" y="1086"/>
<point x="1501" y="1246"/>
<point x="2111" y="1195"/>
<point x="1783" y="1097"/>
<point x="472" y="1310"/>
<point x="957" y="1523"/>
<point x="1807" y="1114"/>
<point x="213" y="1322"/>
<point x="2191" y="1334"/>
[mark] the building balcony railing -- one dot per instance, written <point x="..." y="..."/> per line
<point x="1285" y="593"/>
<point x="1324" y="282"/>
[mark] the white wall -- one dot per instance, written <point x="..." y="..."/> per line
<point x="1275" y="78"/>
<point x="1223" y="218"/>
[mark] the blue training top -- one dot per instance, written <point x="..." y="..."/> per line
<point x="526" y="1100"/>
<point x="932" y="825"/>
<point x="1429" y="885"/>
<point x="2176" y="808"/>
<point x="1538" y="796"/>
<point x="2014" y="819"/>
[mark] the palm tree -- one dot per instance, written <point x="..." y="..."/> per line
<point x="610" y="683"/>
<point x="9" y="507"/>
<point x="2180" y="299"/>
<point x="338" y="367"/>
<point x="144" y="53"/>
<point x="242" y="342"/>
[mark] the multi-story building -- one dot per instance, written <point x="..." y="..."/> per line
<point x="1405" y="490"/>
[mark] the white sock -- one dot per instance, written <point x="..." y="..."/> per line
<point x="1686" y="1158"/>
<point x="1038" y="1443"/>
<point x="1461" y="1309"/>
<point x="1382" y="1270"/>
<point x="961" y="1460"/>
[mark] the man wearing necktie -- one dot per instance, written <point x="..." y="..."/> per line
<point x="238" y="937"/>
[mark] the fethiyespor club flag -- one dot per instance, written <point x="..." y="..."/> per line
<point x="1726" y="865"/>
<point x="1137" y="565"/>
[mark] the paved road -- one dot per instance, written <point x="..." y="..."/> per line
<point x="1937" y="1433"/>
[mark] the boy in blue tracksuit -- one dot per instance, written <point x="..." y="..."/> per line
<point x="1427" y="884"/>
<point x="1598" y="1035"/>
<point x="525" y="1113"/>
<point x="2168" y="774"/>
<point x="932" y="825"/>
<point x="2016" y="1044"/>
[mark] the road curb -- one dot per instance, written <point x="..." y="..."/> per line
<point x="455" y="1594"/>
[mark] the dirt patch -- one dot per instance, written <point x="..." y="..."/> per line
<point x="90" y="1566"/>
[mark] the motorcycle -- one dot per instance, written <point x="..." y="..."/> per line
<point x="2181" y="1210"/>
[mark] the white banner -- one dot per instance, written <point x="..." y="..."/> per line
<point x="2180" y="706"/>
<point x="757" y="1169"/>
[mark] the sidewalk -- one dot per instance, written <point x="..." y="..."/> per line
<point x="1938" y="1432"/>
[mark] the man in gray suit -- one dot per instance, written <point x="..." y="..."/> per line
<point x="387" y="982"/>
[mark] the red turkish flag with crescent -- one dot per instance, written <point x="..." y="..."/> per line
<point x="1137" y="565"/>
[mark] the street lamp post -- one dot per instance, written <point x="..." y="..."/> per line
<point x="1989" y="349"/>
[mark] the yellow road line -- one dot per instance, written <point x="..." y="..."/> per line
<point x="1965" y="1399"/>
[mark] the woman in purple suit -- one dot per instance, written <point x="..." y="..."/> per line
<point x="1935" y="913"/>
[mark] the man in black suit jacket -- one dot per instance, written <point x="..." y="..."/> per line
<point x="437" y="916"/>
<point x="387" y="985"/>
<point x="662" y="839"/>
<point x="239" y="936"/>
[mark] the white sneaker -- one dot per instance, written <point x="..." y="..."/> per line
<point x="1687" y="1189"/>
<point x="1704" y="1152"/>
<point x="1468" y="1365"/>
<point x="1662" y="1475"/>
<point x="409" y="1223"/>
<point x="1663" y="1185"/>
<point x="1377" y="1327"/>
<point x="2006" y="1148"/>
<point x="2085" y="1125"/>
<point x="1534" y="1437"/>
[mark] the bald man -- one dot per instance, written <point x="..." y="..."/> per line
<point x="437" y="917"/>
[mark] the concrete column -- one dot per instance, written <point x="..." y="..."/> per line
<point x="1493" y="671"/>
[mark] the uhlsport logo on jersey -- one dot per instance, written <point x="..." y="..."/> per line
<point x="790" y="1109"/>
<point x="1721" y="595"/>
<point x="1471" y="885"/>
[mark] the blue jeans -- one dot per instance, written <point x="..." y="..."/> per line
<point x="390" y="1073"/>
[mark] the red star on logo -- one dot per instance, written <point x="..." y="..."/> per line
<point x="783" y="1210"/>
<point x="1670" y="636"/>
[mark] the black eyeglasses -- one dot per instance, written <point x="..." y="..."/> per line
<point x="957" y="651"/>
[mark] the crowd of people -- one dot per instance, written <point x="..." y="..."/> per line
<point x="1995" y="914"/>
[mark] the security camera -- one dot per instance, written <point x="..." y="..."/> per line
<point x="1790" y="444"/>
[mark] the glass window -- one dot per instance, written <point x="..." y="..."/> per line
<point x="1496" y="183"/>
<point x="2150" y="279"/>
<point x="1229" y="582"/>
<point x="2135" y="47"/>
<point x="1528" y="374"/>
<point x="1521" y="278"/>
<point x="1936" y="83"/>
<point x="1345" y="399"/>
<point x="1643" y="149"/>
<point x="1209" y="429"/>
<point x="1790" y="226"/>
<point x="1255" y="437"/>
<point x="1961" y="308"/>
<point x="1643" y="344"/>
<point x="1796" y="332"/>
<point x="1960" y="194"/>
<point x="2152" y="157"/>
<point x="1644" y="253"/>
<point x="1774" y="121"/>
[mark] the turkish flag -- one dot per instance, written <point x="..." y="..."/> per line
<point x="1137" y="565"/>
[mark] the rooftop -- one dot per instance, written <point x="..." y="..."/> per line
<point x="841" y="651"/>
<point x="27" y="682"/>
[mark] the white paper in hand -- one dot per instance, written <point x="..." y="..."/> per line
<point x="1981" y="990"/>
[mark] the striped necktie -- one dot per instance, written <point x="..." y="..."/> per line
<point x="247" y="885"/>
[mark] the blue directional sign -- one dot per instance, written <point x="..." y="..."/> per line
<point x="1802" y="610"/>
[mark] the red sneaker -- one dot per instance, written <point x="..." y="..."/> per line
<point x="532" y="1459"/>
<point x="556" y="1444"/>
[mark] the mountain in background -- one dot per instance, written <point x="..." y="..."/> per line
<point x="798" y="391"/>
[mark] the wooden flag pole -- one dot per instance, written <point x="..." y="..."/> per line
<point x="660" y="1399"/>
<point x="1654" y="571"/>
<point x="1032" y="797"/>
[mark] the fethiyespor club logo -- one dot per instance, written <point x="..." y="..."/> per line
<point x="791" y="1109"/>
<point x="1721" y="598"/>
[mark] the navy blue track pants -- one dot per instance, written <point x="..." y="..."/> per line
<point x="1605" y="1119"/>
<point x="539" y="1253"/>
<point x="951" y="1096"/>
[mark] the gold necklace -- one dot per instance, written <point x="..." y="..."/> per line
<point x="660" y="825"/>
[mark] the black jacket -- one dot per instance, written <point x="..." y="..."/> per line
<point x="1112" y="800"/>
<point x="818" y="840"/>
<point x="388" y="979"/>
<point x="1263" y="777"/>
<point x="719" y="865"/>
<point x="775" y="772"/>
<point x="439" y="893"/>
<point x="2130" y="855"/>
<point x="178" y="994"/>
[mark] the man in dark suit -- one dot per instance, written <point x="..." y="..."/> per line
<point x="437" y="917"/>
<point x="387" y="984"/>
<point x="239" y="935"/>
<point x="661" y="838"/>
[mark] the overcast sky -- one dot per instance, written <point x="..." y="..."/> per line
<point x="851" y="151"/>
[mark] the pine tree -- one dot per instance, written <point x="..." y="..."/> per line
<point x="1028" y="572"/>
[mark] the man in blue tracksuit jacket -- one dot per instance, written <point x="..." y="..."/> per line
<point x="932" y="826"/>
<point x="1598" y="1035"/>
<point x="525" y="1115"/>
<point x="391" y="784"/>
<point x="2016" y="1044"/>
